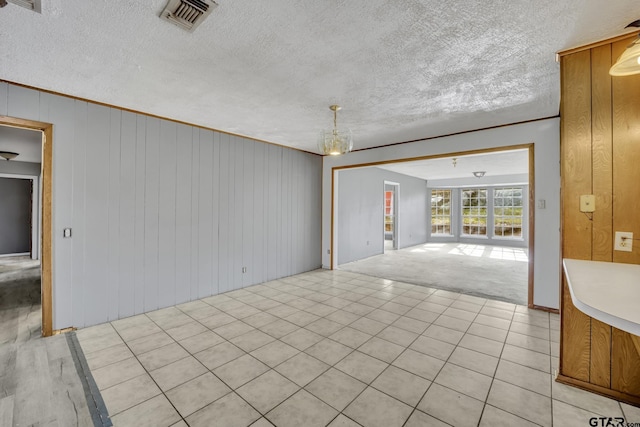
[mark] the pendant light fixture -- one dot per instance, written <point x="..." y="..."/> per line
<point x="629" y="62"/>
<point x="335" y="141"/>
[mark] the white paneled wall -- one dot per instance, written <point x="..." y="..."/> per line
<point x="164" y="213"/>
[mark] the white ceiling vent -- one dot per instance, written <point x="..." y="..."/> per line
<point x="34" y="5"/>
<point x="188" y="14"/>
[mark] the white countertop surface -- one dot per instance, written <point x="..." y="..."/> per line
<point x="606" y="291"/>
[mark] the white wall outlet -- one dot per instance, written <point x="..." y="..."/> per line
<point x="66" y="233"/>
<point x="244" y="269"/>
<point x="623" y="241"/>
<point x="542" y="204"/>
<point x="587" y="203"/>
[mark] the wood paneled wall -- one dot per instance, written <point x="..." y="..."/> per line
<point x="164" y="213"/>
<point x="600" y="152"/>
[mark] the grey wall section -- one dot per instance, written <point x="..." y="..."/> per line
<point x="15" y="216"/>
<point x="19" y="168"/>
<point x="164" y="213"/>
<point x="361" y="215"/>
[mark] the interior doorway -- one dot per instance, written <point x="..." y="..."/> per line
<point x="391" y="191"/>
<point x="26" y="275"/>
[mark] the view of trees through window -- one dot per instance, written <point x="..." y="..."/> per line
<point x="441" y="212"/>
<point x="474" y="211"/>
<point x="507" y="212"/>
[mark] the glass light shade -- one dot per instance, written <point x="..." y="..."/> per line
<point x="629" y="61"/>
<point x="335" y="142"/>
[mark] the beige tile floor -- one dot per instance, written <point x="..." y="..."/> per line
<point x="340" y="349"/>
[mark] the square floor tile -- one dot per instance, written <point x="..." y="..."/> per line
<point x="490" y="332"/>
<point x="567" y="415"/>
<point x="324" y="327"/>
<point x="419" y="364"/>
<point x="588" y="401"/>
<point x="130" y="334"/>
<point x="523" y="403"/>
<point x="151" y="342"/>
<point x="176" y="373"/>
<point x="219" y="354"/>
<point x="233" y="329"/>
<point x="402" y="385"/>
<point x="444" y="334"/>
<point x="187" y="330"/>
<point x="474" y="360"/>
<point x="525" y="377"/>
<point x="481" y="345"/>
<point x="275" y="353"/>
<point x="525" y="357"/>
<point x="350" y="337"/>
<point x="302" y="339"/>
<point x="494" y="417"/>
<point x="230" y="410"/>
<point x="302" y="368"/>
<point x="162" y="356"/>
<point x="368" y="326"/>
<point x="465" y="381"/>
<point x="383" y="316"/>
<point x="451" y="407"/>
<point x="260" y="319"/>
<point x="328" y="351"/>
<point x="376" y="409"/>
<point x="252" y="340"/>
<point x="240" y="371"/>
<point x="129" y="393"/>
<point x="531" y="330"/>
<point x="452" y="323"/>
<point x="398" y="336"/>
<point x="422" y="315"/>
<point x="459" y="313"/>
<point x="342" y="421"/>
<point x="381" y="349"/>
<point x="342" y="317"/>
<point x="116" y="373"/>
<point x="497" y="312"/>
<point x="529" y="342"/>
<point x="279" y="328"/>
<point x="197" y="393"/>
<point x="267" y="391"/>
<point x="155" y="412"/>
<point x="396" y="308"/>
<point x="360" y="366"/>
<point x="321" y="310"/>
<point x="302" y="409"/>
<point x="494" y="322"/>
<point x="412" y="325"/>
<point x="301" y="318"/>
<point x="433" y="347"/>
<point x="110" y="355"/>
<point x="217" y="320"/>
<point x="420" y="419"/>
<point x="201" y="342"/>
<point x="336" y="388"/>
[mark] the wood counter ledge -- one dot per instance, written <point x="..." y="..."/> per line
<point x="606" y="291"/>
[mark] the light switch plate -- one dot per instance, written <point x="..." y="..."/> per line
<point x="623" y="241"/>
<point x="587" y="203"/>
<point x="66" y="233"/>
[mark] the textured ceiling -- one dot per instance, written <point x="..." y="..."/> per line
<point x="402" y="70"/>
<point x="513" y="162"/>
<point x="27" y="143"/>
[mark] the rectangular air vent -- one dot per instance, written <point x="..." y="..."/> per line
<point x="34" y="5"/>
<point x="187" y="14"/>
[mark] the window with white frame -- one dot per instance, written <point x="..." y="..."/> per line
<point x="441" y="212"/>
<point x="507" y="212"/>
<point x="474" y="211"/>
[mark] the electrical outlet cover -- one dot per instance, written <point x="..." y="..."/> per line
<point x="623" y="241"/>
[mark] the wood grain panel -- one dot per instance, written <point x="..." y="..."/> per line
<point x="625" y="364"/>
<point x="576" y="180"/>
<point x="602" y="173"/>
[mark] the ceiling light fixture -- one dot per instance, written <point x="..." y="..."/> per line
<point x="479" y="174"/>
<point x="8" y="155"/>
<point x="629" y="62"/>
<point x="336" y="141"/>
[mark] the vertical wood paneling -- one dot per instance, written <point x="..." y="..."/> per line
<point x="576" y="164"/>
<point x="78" y="219"/>
<point x="195" y="213"/>
<point x="285" y="213"/>
<point x="127" y="215"/>
<point x="4" y="99"/>
<point x="257" y="272"/>
<point x="151" y="207"/>
<point x="275" y="238"/>
<point x="238" y="213"/>
<point x="97" y="214"/>
<point x="62" y="112"/>
<point x="167" y="215"/>
<point x="215" y="218"/>
<point x="224" y="184"/>
<point x="113" y="226"/>
<point x="139" y="221"/>
<point x="23" y="102"/>
<point x="602" y="245"/>
<point x="183" y="213"/>
<point x="206" y="213"/>
<point x="248" y="212"/>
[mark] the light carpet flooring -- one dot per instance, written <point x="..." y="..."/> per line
<point x="340" y="349"/>
<point x="494" y="272"/>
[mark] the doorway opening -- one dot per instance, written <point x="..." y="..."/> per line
<point x="391" y="192"/>
<point x="25" y="229"/>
